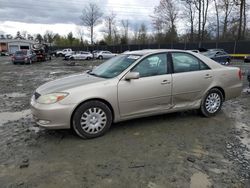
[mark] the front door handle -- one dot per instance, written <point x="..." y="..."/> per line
<point x="165" y="82"/>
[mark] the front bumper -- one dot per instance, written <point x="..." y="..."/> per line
<point x="52" y="116"/>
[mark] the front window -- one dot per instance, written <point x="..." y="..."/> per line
<point x="114" y="66"/>
<point x="152" y="66"/>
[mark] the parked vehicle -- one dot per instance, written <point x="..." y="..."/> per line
<point x="42" y="52"/>
<point x="220" y="56"/>
<point x="132" y="85"/>
<point x="52" y="53"/>
<point x="81" y="56"/>
<point x="25" y="56"/>
<point x="104" y="55"/>
<point x="67" y="56"/>
<point x="196" y="51"/>
<point x="4" y="53"/>
<point x="63" y="52"/>
<point x="247" y="58"/>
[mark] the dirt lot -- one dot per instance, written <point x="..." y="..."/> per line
<point x="174" y="150"/>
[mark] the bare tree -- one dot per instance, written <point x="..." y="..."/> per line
<point x="49" y="37"/>
<point x="125" y="26"/>
<point x="91" y="16"/>
<point x="216" y="5"/>
<point x="225" y="8"/>
<point x="166" y="13"/>
<point x="241" y="4"/>
<point x="202" y="8"/>
<point x="189" y="15"/>
<point x="142" y="34"/>
<point x="80" y="33"/>
<point x="24" y="34"/>
<point x="110" y="23"/>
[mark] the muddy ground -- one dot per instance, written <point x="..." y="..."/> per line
<point x="174" y="150"/>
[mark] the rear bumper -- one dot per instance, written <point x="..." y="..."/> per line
<point x="20" y="61"/>
<point x="233" y="91"/>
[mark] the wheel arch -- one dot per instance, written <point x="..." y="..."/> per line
<point x="221" y="90"/>
<point x="93" y="99"/>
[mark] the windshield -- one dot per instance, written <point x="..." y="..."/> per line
<point x="114" y="66"/>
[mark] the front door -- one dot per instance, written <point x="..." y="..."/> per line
<point x="151" y="93"/>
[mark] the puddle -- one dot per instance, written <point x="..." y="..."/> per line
<point x="13" y="95"/>
<point x="200" y="180"/>
<point x="12" y="116"/>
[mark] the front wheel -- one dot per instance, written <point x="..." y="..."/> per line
<point x="212" y="103"/>
<point x="92" y="119"/>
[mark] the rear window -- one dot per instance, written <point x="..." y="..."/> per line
<point x="21" y="52"/>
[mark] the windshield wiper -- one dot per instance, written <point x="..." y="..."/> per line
<point x="92" y="73"/>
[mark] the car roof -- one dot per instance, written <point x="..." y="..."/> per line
<point x="149" y="51"/>
<point x="210" y="62"/>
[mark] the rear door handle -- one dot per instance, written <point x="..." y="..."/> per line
<point x="165" y="82"/>
<point x="208" y="76"/>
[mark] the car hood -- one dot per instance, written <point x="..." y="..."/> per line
<point x="68" y="82"/>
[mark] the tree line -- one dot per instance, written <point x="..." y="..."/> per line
<point x="200" y="20"/>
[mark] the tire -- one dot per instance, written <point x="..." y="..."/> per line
<point x="88" y="58"/>
<point x="100" y="57"/>
<point x="92" y="119"/>
<point x="211" y="103"/>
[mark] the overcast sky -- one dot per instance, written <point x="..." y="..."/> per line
<point x="63" y="16"/>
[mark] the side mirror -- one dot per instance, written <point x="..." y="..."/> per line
<point x="132" y="75"/>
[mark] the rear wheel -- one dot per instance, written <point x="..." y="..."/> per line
<point x="212" y="103"/>
<point x="92" y="119"/>
<point x="100" y="57"/>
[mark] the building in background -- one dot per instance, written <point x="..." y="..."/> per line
<point x="13" y="45"/>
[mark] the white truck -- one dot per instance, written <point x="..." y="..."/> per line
<point x="63" y="52"/>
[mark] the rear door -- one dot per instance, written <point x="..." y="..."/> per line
<point x="191" y="78"/>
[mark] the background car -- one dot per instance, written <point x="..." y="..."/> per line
<point x="63" y="52"/>
<point x="219" y="56"/>
<point x="25" y="56"/>
<point x="104" y="55"/>
<point x="82" y="55"/>
<point x="247" y="58"/>
<point x="132" y="85"/>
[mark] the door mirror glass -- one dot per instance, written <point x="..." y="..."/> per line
<point x="132" y="75"/>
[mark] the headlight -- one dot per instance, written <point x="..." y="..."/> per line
<point x="51" y="98"/>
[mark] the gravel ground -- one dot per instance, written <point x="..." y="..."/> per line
<point x="173" y="150"/>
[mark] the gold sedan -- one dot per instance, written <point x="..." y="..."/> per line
<point x="132" y="85"/>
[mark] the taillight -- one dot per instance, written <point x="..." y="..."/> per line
<point x="240" y="74"/>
